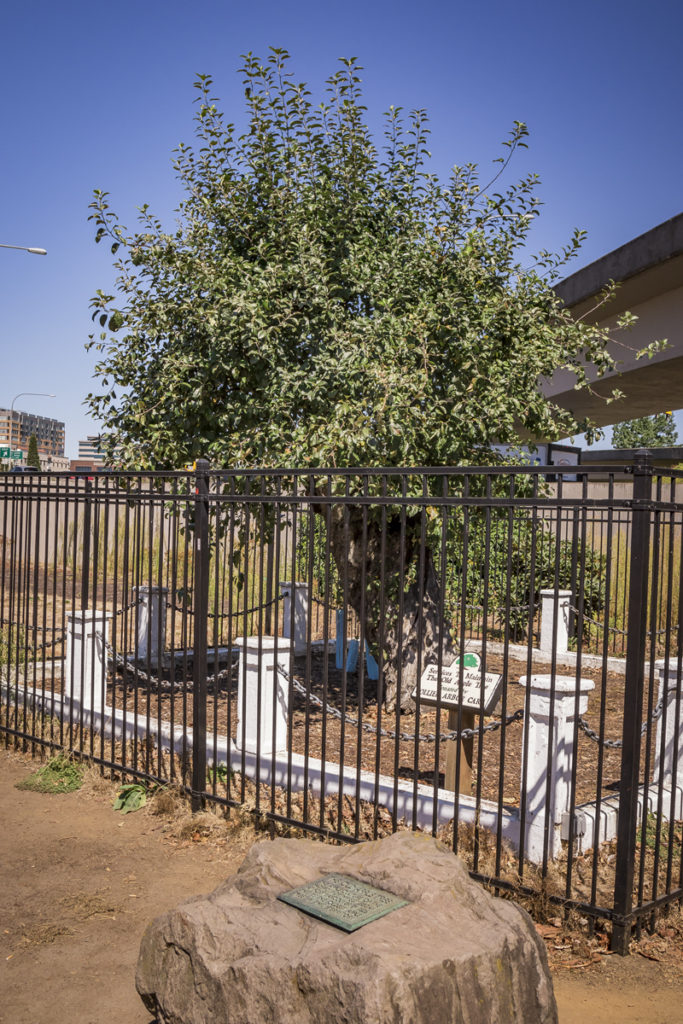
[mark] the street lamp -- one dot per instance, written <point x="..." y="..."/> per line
<point x="26" y="248"/>
<point x="42" y="394"/>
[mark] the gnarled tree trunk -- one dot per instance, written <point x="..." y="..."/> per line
<point x="388" y="576"/>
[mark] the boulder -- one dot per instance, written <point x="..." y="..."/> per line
<point x="454" y="953"/>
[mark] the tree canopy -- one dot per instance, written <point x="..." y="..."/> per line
<point x="325" y="300"/>
<point x="656" y="431"/>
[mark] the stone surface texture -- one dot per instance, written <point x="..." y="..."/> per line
<point x="241" y="956"/>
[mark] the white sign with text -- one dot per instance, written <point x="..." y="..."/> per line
<point x="472" y="697"/>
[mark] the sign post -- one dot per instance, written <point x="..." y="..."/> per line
<point x="477" y="694"/>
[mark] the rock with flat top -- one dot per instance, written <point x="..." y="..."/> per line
<point x="454" y="953"/>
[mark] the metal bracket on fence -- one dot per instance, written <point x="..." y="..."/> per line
<point x="579" y="826"/>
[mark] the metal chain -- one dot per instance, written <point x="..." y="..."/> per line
<point x="163" y="684"/>
<point x="49" y="643"/>
<point x="33" y="629"/>
<point x="618" y="744"/>
<point x="614" y="629"/>
<point x="225" y="615"/>
<point x="594" y="622"/>
<point x="468" y="607"/>
<point x="430" y="737"/>
<point x="54" y="629"/>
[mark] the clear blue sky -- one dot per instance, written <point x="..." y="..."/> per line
<point x="98" y="95"/>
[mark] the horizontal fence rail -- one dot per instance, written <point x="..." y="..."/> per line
<point x="489" y="654"/>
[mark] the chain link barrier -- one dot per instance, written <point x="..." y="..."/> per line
<point x="185" y="610"/>
<point x="430" y="737"/>
<point x="618" y="744"/>
<point x="616" y="630"/>
<point x="172" y="685"/>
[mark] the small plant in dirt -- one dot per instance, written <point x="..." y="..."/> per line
<point x="58" y="775"/>
<point x="130" y="797"/>
<point x="219" y="773"/>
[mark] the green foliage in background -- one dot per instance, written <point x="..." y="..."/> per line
<point x="509" y="560"/>
<point x="658" y="431"/>
<point x="326" y="300"/>
<point x="12" y="646"/>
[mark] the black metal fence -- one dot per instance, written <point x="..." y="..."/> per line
<point x="487" y="654"/>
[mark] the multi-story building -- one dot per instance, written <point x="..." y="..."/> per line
<point x="90" y="451"/>
<point x="16" y="428"/>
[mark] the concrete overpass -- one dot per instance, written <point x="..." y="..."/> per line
<point x="650" y="272"/>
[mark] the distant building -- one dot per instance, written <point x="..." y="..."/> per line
<point x="16" y="428"/>
<point x="89" y="451"/>
<point x="54" y="463"/>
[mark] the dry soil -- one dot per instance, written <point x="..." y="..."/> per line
<point x="80" y="882"/>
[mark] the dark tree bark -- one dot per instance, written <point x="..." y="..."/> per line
<point x="392" y="585"/>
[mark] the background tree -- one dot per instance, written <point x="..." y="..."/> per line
<point x="658" y="431"/>
<point x="324" y="301"/>
<point x="33" y="458"/>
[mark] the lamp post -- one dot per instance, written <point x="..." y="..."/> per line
<point x="26" y="248"/>
<point x="42" y="394"/>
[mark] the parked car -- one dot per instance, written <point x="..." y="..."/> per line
<point x="23" y="469"/>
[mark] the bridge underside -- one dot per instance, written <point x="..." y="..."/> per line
<point x="652" y="388"/>
<point x="649" y="270"/>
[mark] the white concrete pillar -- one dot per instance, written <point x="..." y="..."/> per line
<point x="554" y="788"/>
<point x="150" y="623"/>
<point x="86" y="657"/>
<point x="262" y="695"/>
<point x="301" y="606"/>
<point x="555" y="603"/>
<point x="669" y="742"/>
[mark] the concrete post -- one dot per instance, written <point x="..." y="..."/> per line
<point x="150" y="623"/>
<point x="669" y="743"/>
<point x="301" y="607"/>
<point x="262" y="695"/>
<point x="555" y="602"/>
<point x="554" y="788"/>
<point x="86" y="657"/>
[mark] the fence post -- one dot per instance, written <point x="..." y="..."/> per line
<point x="669" y="741"/>
<point x="87" y="528"/>
<point x="86" y="657"/>
<point x="633" y="701"/>
<point x="150" y="623"/>
<point x="299" y="593"/>
<point x="262" y="696"/>
<point x="555" y="604"/>
<point x="200" y="603"/>
<point x="549" y="794"/>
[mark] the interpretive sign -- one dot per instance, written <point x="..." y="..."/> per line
<point x="472" y="697"/>
<point x="342" y="901"/>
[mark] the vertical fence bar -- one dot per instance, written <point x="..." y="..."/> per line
<point x="200" y="603"/>
<point x="633" y="698"/>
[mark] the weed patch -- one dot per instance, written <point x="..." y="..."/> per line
<point x="58" y="775"/>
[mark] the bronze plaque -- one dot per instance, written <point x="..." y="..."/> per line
<point x="342" y="901"/>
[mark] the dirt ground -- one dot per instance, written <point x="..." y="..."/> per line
<point x="80" y="882"/>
